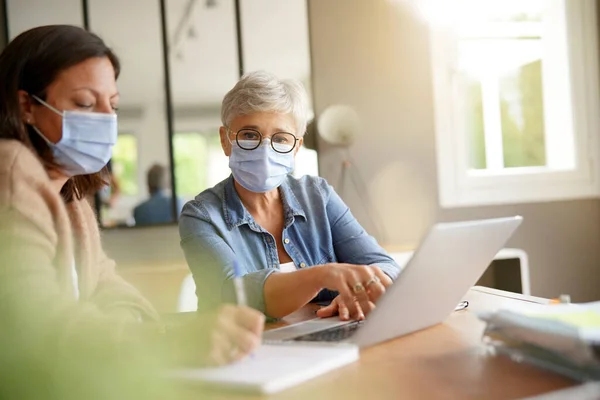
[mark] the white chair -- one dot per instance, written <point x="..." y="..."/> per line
<point x="402" y="258"/>
<point x="188" y="301"/>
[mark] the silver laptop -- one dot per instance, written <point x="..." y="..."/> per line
<point x="449" y="261"/>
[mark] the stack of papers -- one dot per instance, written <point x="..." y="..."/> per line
<point x="564" y="338"/>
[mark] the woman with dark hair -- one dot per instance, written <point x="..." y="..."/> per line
<point x="58" y="290"/>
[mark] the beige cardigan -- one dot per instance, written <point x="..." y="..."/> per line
<point x="40" y="236"/>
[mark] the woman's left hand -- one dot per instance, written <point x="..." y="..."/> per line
<point x="236" y="332"/>
<point x="338" y="306"/>
<point x="216" y="337"/>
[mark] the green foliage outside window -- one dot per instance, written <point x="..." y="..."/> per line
<point x="191" y="153"/>
<point x="474" y="124"/>
<point x="522" y="115"/>
<point x="124" y="164"/>
<point x="523" y="131"/>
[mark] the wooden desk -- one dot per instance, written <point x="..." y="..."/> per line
<point x="447" y="361"/>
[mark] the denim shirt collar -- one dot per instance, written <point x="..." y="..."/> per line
<point x="236" y="214"/>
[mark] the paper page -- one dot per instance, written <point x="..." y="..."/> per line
<point x="585" y="317"/>
<point x="274" y="367"/>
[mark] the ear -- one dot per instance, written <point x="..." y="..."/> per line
<point x="225" y="144"/>
<point x="300" y="143"/>
<point x="26" y="107"/>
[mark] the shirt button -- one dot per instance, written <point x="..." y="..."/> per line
<point x="302" y="265"/>
<point x="286" y="241"/>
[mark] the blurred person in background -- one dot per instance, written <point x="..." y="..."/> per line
<point x="71" y="327"/>
<point x="158" y="209"/>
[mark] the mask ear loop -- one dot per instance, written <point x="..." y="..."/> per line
<point x="35" y="128"/>
<point x="228" y="137"/>
<point x="47" y="105"/>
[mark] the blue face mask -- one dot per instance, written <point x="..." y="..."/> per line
<point x="262" y="169"/>
<point x="86" y="143"/>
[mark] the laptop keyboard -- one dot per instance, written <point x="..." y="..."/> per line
<point x="335" y="334"/>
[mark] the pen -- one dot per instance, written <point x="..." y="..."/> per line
<point x="240" y="290"/>
<point x="238" y="283"/>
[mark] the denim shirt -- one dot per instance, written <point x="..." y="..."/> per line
<point x="216" y="229"/>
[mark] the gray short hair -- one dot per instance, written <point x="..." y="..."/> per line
<point x="262" y="91"/>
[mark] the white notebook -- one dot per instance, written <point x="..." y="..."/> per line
<point x="274" y="367"/>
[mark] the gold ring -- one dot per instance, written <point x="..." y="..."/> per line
<point x="374" y="279"/>
<point x="358" y="287"/>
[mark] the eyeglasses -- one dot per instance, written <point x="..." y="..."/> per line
<point x="250" y="139"/>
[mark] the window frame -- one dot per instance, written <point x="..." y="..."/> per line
<point x="461" y="187"/>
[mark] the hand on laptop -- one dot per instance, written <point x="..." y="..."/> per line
<point x="360" y="287"/>
<point x="338" y="307"/>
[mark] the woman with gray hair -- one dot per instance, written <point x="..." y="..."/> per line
<point x="294" y="239"/>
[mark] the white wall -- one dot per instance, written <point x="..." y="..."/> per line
<point x="26" y="14"/>
<point x="374" y="56"/>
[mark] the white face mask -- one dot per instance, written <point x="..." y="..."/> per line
<point x="262" y="169"/>
<point x="86" y="143"/>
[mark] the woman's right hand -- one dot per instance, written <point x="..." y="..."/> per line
<point x="218" y="337"/>
<point x="338" y="307"/>
<point x="359" y="286"/>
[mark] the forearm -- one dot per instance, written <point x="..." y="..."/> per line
<point x="114" y="295"/>
<point x="285" y="293"/>
<point x="390" y="269"/>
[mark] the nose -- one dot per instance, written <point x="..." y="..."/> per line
<point x="104" y="106"/>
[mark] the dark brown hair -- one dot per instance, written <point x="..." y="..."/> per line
<point x="31" y="62"/>
<point x="157" y="178"/>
